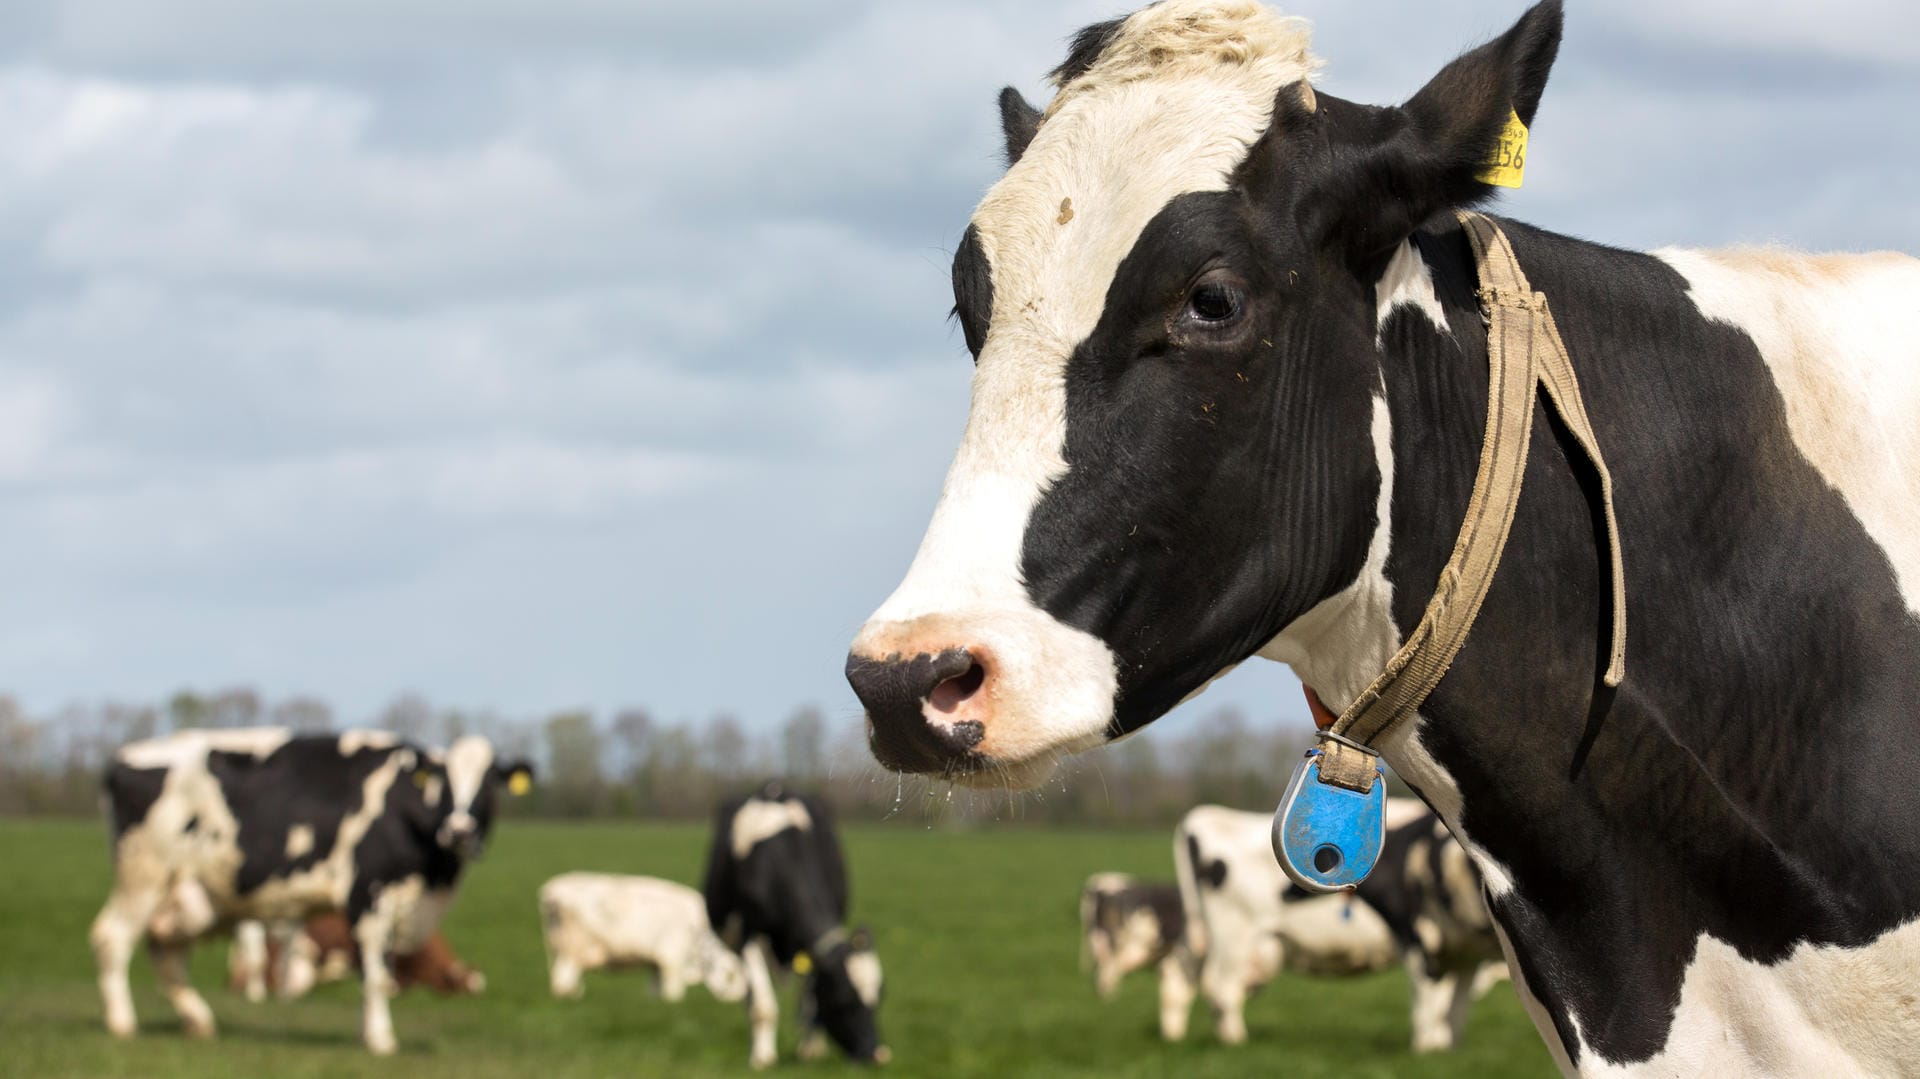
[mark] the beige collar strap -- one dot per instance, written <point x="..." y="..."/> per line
<point x="1524" y="350"/>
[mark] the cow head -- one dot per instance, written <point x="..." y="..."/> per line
<point x="457" y="790"/>
<point x="1175" y="446"/>
<point x="844" y="987"/>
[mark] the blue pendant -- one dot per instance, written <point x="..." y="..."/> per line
<point x="1327" y="837"/>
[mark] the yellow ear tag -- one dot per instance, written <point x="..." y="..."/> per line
<point x="1506" y="165"/>
<point x="802" y="963"/>
<point x="519" y="784"/>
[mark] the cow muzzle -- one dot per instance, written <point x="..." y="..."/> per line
<point x="461" y="835"/>
<point x="927" y="713"/>
<point x="991" y="700"/>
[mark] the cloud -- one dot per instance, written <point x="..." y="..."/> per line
<point x="529" y="352"/>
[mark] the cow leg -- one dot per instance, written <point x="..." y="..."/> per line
<point x="813" y="1039"/>
<point x="118" y="927"/>
<point x="1434" y="996"/>
<point x="564" y="976"/>
<point x="374" y="932"/>
<point x="1460" y="1004"/>
<point x="170" y="967"/>
<point x="671" y="984"/>
<point x="297" y="973"/>
<point x="1177" y="978"/>
<point x="250" y="959"/>
<point x="763" y="1007"/>
<point x="1224" y="985"/>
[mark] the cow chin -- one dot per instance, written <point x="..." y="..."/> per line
<point x="989" y="699"/>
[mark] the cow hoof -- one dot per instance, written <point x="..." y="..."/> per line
<point x="123" y="1030"/>
<point x="761" y="1063"/>
<point x="200" y="1029"/>
<point x="382" y="1047"/>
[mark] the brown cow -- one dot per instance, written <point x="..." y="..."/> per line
<point x="325" y="951"/>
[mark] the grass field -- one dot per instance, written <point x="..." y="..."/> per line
<point x="977" y="931"/>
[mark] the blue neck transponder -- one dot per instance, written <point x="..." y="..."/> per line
<point x="1327" y="837"/>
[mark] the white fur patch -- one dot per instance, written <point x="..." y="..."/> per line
<point x="352" y="742"/>
<point x="1171" y="108"/>
<point x="468" y="761"/>
<point x="863" y="969"/>
<point x="299" y="841"/>
<point x="1408" y="282"/>
<point x="1841" y="335"/>
<point x="759" y="821"/>
<point x="171" y="750"/>
<point x="1824" y="1011"/>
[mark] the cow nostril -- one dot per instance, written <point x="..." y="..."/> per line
<point x="953" y="692"/>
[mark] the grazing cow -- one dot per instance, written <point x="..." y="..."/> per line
<point x="596" y="920"/>
<point x="1128" y="925"/>
<point x="1247" y="923"/>
<point x="213" y="827"/>
<point x="289" y="962"/>
<point x="1426" y="890"/>
<point x="776" y="890"/>
<point x="1230" y="399"/>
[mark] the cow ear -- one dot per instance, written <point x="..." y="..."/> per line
<point x="1019" y="121"/>
<point x="1392" y="173"/>
<point x="518" y="776"/>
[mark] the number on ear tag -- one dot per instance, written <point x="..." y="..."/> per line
<point x="1326" y="837"/>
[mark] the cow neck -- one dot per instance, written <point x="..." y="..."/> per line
<point x="1524" y="352"/>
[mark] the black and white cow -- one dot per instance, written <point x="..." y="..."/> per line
<point x="776" y="891"/>
<point x="1427" y="892"/>
<point x="1229" y="398"/>
<point x="1247" y="922"/>
<point x="1128" y="924"/>
<point x="213" y="827"/>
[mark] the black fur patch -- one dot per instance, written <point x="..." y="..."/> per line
<point x="131" y="793"/>
<point x="1085" y="51"/>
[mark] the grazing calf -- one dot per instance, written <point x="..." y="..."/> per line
<point x="213" y="827"/>
<point x="289" y="963"/>
<point x="1128" y="925"/>
<point x="1246" y="922"/>
<point x="776" y="889"/>
<point x="595" y="920"/>
<point x="1427" y="891"/>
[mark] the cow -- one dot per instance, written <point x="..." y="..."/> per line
<point x="213" y="827"/>
<point x="598" y="920"/>
<point x="1246" y="922"/>
<point x="1230" y="397"/>
<point x="776" y="892"/>
<point x="289" y="961"/>
<point x="1128" y="925"/>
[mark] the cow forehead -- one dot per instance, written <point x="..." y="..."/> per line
<point x="468" y="760"/>
<point x="1171" y="107"/>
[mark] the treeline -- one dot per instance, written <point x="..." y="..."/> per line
<point x="630" y="764"/>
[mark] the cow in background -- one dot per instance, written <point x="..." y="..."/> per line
<point x="1128" y="925"/>
<point x="595" y="920"/>
<point x="1427" y="891"/>
<point x="289" y="962"/>
<point x="1248" y="922"/>
<point x="213" y="827"/>
<point x="776" y="891"/>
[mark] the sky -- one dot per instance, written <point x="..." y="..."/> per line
<point x="534" y="354"/>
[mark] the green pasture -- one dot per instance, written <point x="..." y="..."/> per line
<point x="976" y="929"/>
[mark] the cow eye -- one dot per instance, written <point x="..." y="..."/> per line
<point x="1217" y="301"/>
